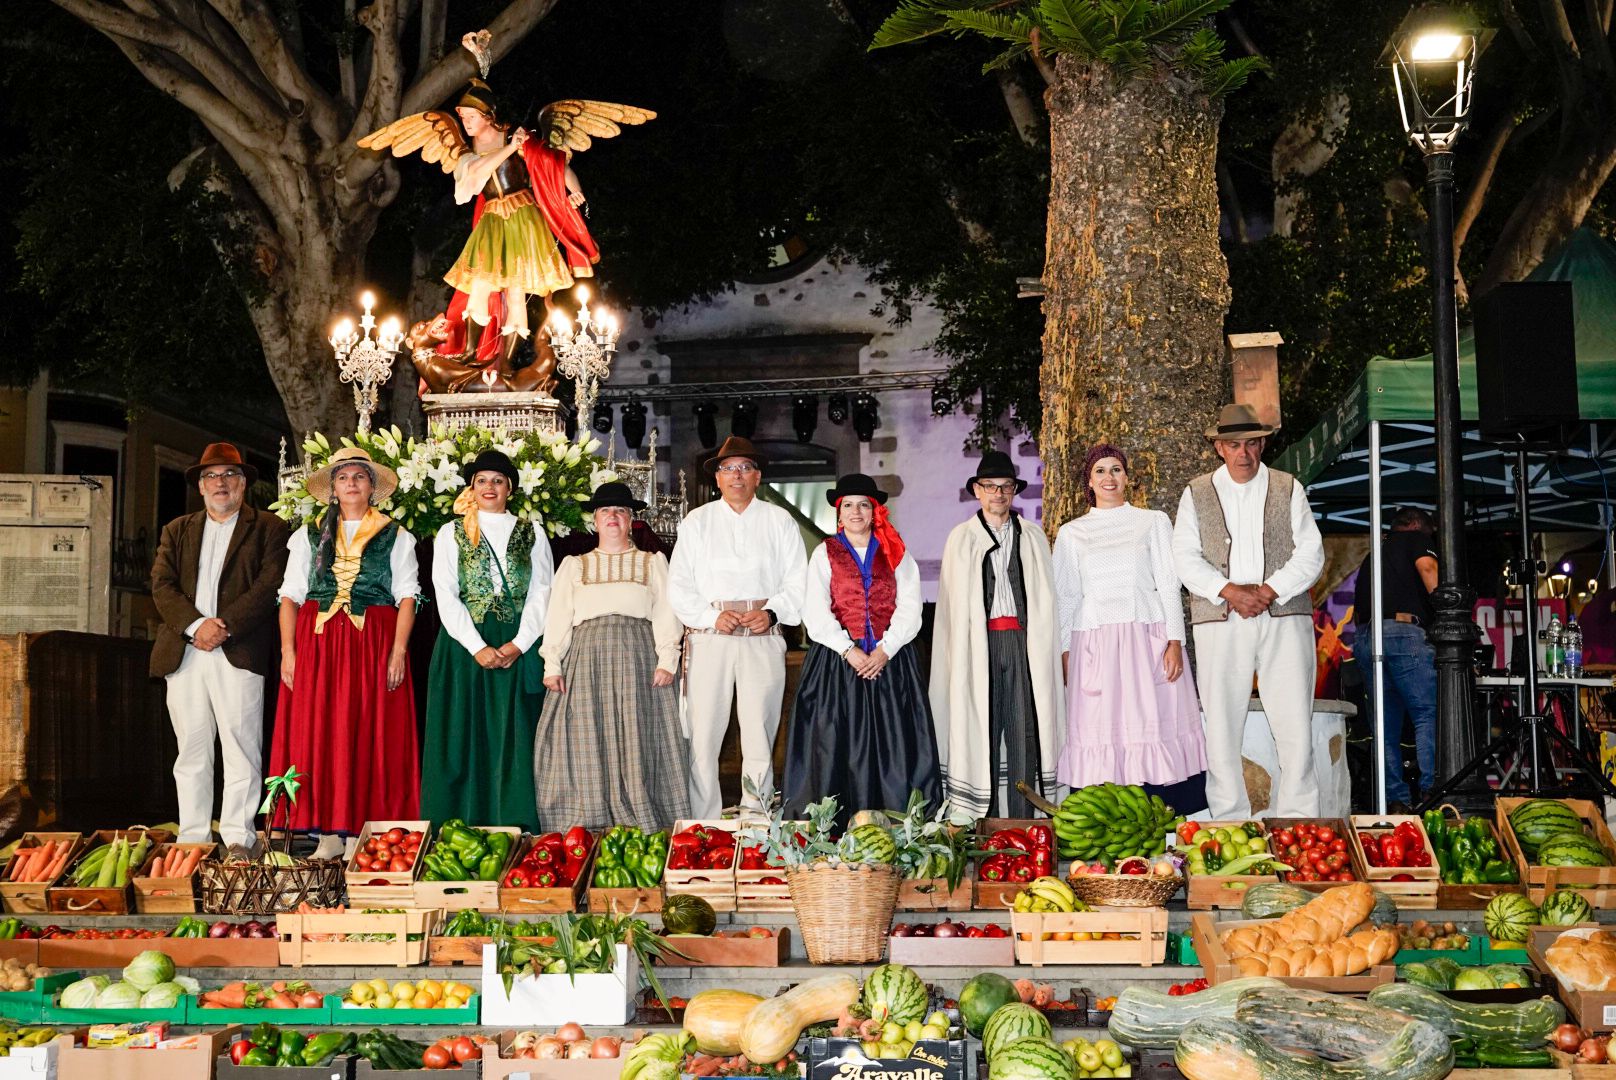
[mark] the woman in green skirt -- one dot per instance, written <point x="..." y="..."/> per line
<point x="491" y="572"/>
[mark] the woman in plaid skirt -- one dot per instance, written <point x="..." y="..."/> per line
<point x="609" y="749"/>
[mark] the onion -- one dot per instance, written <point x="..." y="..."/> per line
<point x="945" y="929"/>
<point x="550" y="1047"/>
<point x="253" y="928"/>
<point x="900" y="930"/>
<point x="1567" y="1037"/>
<point x="1593" y="1052"/>
<point x="579" y="1049"/>
<point x="607" y="1046"/>
<point x="569" y="1033"/>
<point x="235" y="932"/>
<point x="219" y="929"/>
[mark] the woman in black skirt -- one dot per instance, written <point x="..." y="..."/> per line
<point x="862" y="728"/>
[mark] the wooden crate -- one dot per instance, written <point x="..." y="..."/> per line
<point x="1204" y="892"/>
<point x="716" y="886"/>
<point x="999" y="895"/>
<point x="933" y="894"/>
<point x="527" y="902"/>
<point x="28" y="897"/>
<point x="376" y="879"/>
<point x="754" y="894"/>
<point x="168" y="896"/>
<point x="71" y="900"/>
<point x="1595" y="884"/>
<point x="1377" y="874"/>
<point x="300" y="947"/>
<point x="1562" y="1069"/>
<point x="460" y="895"/>
<point x="982" y="952"/>
<point x="1207" y="936"/>
<point x="625" y="901"/>
<point x="446" y="951"/>
<point x="771" y="951"/>
<point x="1150" y="947"/>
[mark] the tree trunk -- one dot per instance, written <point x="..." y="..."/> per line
<point x="1136" y="287"/>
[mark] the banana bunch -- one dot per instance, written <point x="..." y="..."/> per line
<point x="653" y="1055"/>
<point x="1048" y="894"/>
<point x="1107" y="822"/>
<point x="19" y="1037"/>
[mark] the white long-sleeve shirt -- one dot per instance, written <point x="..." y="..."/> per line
<point x="757" y="554"/>
<point x="821" y="624"/>
<point x="1116" y="566"/>
<point x="406" y="571"/>
<point x="209" y="565"/>
<point x="1243" y="515"/>
<point x="446" y="582"/>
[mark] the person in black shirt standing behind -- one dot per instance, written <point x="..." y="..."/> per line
<point x="1410" y="573"/>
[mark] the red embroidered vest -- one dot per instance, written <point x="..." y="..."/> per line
<point x="848" y="601"/>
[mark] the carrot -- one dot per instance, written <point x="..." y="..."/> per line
<point x="231" y="996"/>
<point x="164" y="867"/>
<point x="33" y="864"/>
<point x="56" y="867"/>
<point x="18" y="857"/>
<point x="188" y="867"/>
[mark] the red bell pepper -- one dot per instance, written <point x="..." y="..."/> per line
<point x="238" y="1050"/>
<point x="544" y="879"/>
<point x="1391" y="851"/>
<point x="994" y="868"/>
<point x="679" y="858"/>
<point x="703" y="835"/>
<point x="1006" y="839"/>
<point x="719" y="858"/>
<point x="576" y="843"/>
<point x="1371" y="848"/>
<point x="1043" y="862"/>
<point x="771" y="881"/>
<point x="685" y="841"/>
<point x="1041" y="836"/>
<point x="1021" y="870"/>
<point x="515" y="879"/>
<point x="752" y="858"/>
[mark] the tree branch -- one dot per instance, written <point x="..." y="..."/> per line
<point x="1595" y="43"/>
<point x="1563" y="47"/>
<point x="509" y="28"/>
<point x="1493" y="148"/>
<point x="1040" y="61"/>
<point x="1517" y="29"/>
<point x="346" y="78"/>
<point x="1231" y="198"/>
<point x="201" y="99"/>
<point x="1023" y="113"/>
<point x="434" y="32"/>
<point x="272" y="48"/>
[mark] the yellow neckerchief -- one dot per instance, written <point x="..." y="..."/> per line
<point x="345" y="565"/>
<point x="465" y="505"/>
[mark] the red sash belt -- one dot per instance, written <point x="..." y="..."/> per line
<point x="1009" y="622"/>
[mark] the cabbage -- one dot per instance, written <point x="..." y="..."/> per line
<point x="162" y="996"/>
<point x="81" y="995"/>
<point x="188" y="984"/>
<point x="120" y="995"/>
<point x="148" y="969"/>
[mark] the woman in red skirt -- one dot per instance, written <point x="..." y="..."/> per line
<point x="346" y="716"/>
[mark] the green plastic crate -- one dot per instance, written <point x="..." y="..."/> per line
<point x="1465" y="957"/>
<point x="1181" y="950"/>
<point x="290" y="1018"/>
<point x="471" y="1014"/>
<point x="1490" y="955"/>
<point x="55" y="1014"/>
<point x="29" y="1005"/>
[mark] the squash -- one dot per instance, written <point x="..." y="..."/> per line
<point x="1524" y="1025"/>
<point x="715" y="1019"/>
<point x="1150" y="1019"/>
<point x="1222" y="1048"/>
<point x="1334" y="1027"/>
<point x="772" y="1028"/>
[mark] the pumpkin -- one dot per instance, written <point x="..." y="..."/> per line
<point x="1150" y="1019"/>
<point x="1524" y="1025"/>
<point x="715" y="1019"/>
<point x="772" y="1028"/>
<point x="1222" y="1048"/>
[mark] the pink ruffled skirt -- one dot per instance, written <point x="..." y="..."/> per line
<point x="1124" y="721"/>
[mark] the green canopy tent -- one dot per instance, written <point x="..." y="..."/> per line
<point x="1384" y="424"/>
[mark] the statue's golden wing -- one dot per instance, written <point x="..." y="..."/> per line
<point x="436" y="135"/>
<point x="574" y="124"/>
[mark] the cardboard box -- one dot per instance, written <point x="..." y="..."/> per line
<point x="458" y="895"/>
<point x="1592" y="1009"/>
<point x="606" y="999"/>
<point x="407" y="945"/>
<point x="30" y="1063"/>
<point x="931" y="1059"/>
<point x="169" y="895"/>
<point x="748" y="951"/>
<point x="532" y="903"/>
<point x="1218" y="968"/>
<point x="980" y="952"/>
<point x="83" y="1063"/>
<point x="340" y="1068"/>
<point x="23" y="950"/>
<point x="116" y="900"/>
<point x="1148" y="925"/>
<point x="1595" y="884"/>
<point x="364" y="1070"/>
<point x="498" y="1067"/>
<point x="28" y="897"/>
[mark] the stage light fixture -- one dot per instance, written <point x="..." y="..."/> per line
<point x="942" y="403"/>
<point x="866" y="417"/>
<point x="601" y="421"/>
<point x="836" y="409"/>
<point x="743" y="421"/>
<point x="633" y="423"/>
<point x="707" y="424"/>
<point x="805" y="417"/>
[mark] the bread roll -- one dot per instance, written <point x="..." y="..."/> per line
<point x="1320" y="921"/>
<point x="1584" y="962"/>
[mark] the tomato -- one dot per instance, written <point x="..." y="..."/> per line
<point x="395" y="835"/>
<point x="1307" y="842"/>
<point x="1338" y="844"/>
<point x="398" y="864"/>
<point x="1325" y="834"/>
<point x="437" y="1057"/>
<point x="1342" y="875"/>
<point x="238" y="1050"/>
<point x="1283" y="838"/>
<point x="464" y="1049"/>
<point x="1336" y="860"/>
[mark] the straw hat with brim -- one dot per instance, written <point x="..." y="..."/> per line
<point x="734" y="446"/>
<point x="319" y="484"/>
<point x="220" y="453"/>
<point x="1236" y="423"/>
<point x="996" y="465"/>
<point x="856" y="484"/>
<point x="613" y="493"/>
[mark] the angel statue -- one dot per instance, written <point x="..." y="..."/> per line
<point x="527" y="238"/>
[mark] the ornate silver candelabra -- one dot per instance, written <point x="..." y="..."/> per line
<point x="366" y="361"/>
<point x="583" y="354"/>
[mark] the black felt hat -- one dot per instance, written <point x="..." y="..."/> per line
<point x="856" y="484"/>
<point x="491" y="461"/>
<point x="613" y="493"/>
<point x="996" y="465"/>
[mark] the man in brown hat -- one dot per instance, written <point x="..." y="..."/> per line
<point x="214" y="584"/>
<point x="1245" y="543"/>
<point x="737" y="573"/>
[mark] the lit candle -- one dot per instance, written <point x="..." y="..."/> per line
<point x="342" y="332"/>
<point x="582" y="292"/>
<point x="391" y="331"/>
<point x="368" y="299"/>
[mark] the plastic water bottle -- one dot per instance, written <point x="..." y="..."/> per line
<point x="1573" y="650"/>
<point x="1553" y="647"/>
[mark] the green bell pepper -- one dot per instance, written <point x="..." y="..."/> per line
<point x="499" y="843"/>
<point x="447" y="867"/>
<point x="658" y="840"/>
<point x="471" y="854"/>
<point x="325" y="1046"/>
<point x="489" y="866"/>
<point x="1471" y="875"/>
<point x="611" y="847"/>
<point x="633" y="848"/>
<point x="611" y="877"/>
<point x="648" y="871"/>
<point x="257" y="1056"/>
<point x="291" y="1048"/>
<point x="1498" y="872"/>
<point x="265" y="1034"/>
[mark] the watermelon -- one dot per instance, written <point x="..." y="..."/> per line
<point x="1474" y="979"/>
<point x="1537" y="820"/>
<point x="1010" y="1023"/>
<point x="1565" y="908"/>
<point x="873" y="844"/>
<point x="1571" y="849"/>
<point x="984" y="995"/>
<point x="685" y="914"/>
<point x="1509" y="917"/>
<point x="1032" y="1058"/>
<point x="895" y="994"/>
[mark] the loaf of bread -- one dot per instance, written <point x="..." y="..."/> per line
<point x="1584" y="960"/>
<point x="1346" y="956"/>
<point x="1321" y="921"/>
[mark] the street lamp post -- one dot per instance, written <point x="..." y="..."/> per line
<point x="1432" y="57"/>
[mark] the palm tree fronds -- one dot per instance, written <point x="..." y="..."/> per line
<point x="1074" y="26"/>
<point x="1233" y="75"/>
<point x="1171" y="17"/>
<point x="1016" y="29"/>
<point x="917" y="19"/>
<point x="1006" y="58"/>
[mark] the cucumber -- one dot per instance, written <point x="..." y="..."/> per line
<point x="1508" y="1057"/>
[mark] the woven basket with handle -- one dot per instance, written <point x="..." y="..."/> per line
<point x="1125" y="890"/>
<point x="845" y="911"/>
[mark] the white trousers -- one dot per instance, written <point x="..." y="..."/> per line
<point x="751" y="671"/>
<point x="1280" y="653"/>
<point x="210" y="698"/>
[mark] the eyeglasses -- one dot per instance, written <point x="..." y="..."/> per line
<point x="228" y="474"/>
<point x="997" y="489"/>
<point x="739" y="470"/>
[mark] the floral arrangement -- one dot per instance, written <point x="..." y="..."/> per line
<point x="554" y="475"/>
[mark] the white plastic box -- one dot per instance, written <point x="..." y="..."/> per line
<point x="30" y="1063"/>
<point x="537" y="1000"/>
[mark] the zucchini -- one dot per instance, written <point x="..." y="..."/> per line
<point x="1524" y="1026"/>
<point x="1336" y="1027"/>
<point x="1508" y="1057"/>
<point x="1149" y="1019"/>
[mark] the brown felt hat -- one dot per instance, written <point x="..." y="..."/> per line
<point x="220" y="453"/>
<point x="1237" y="423"/>
<point x="735" y="446"/>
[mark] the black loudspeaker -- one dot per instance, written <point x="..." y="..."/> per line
<point x="1526" y="362"/>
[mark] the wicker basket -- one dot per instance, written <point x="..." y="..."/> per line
<point x="1125" y="890"/>
<point x="253" y="888"/>
<point x="845" y="911"/>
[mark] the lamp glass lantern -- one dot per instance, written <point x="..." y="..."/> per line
<point x="1433" y="59"/>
